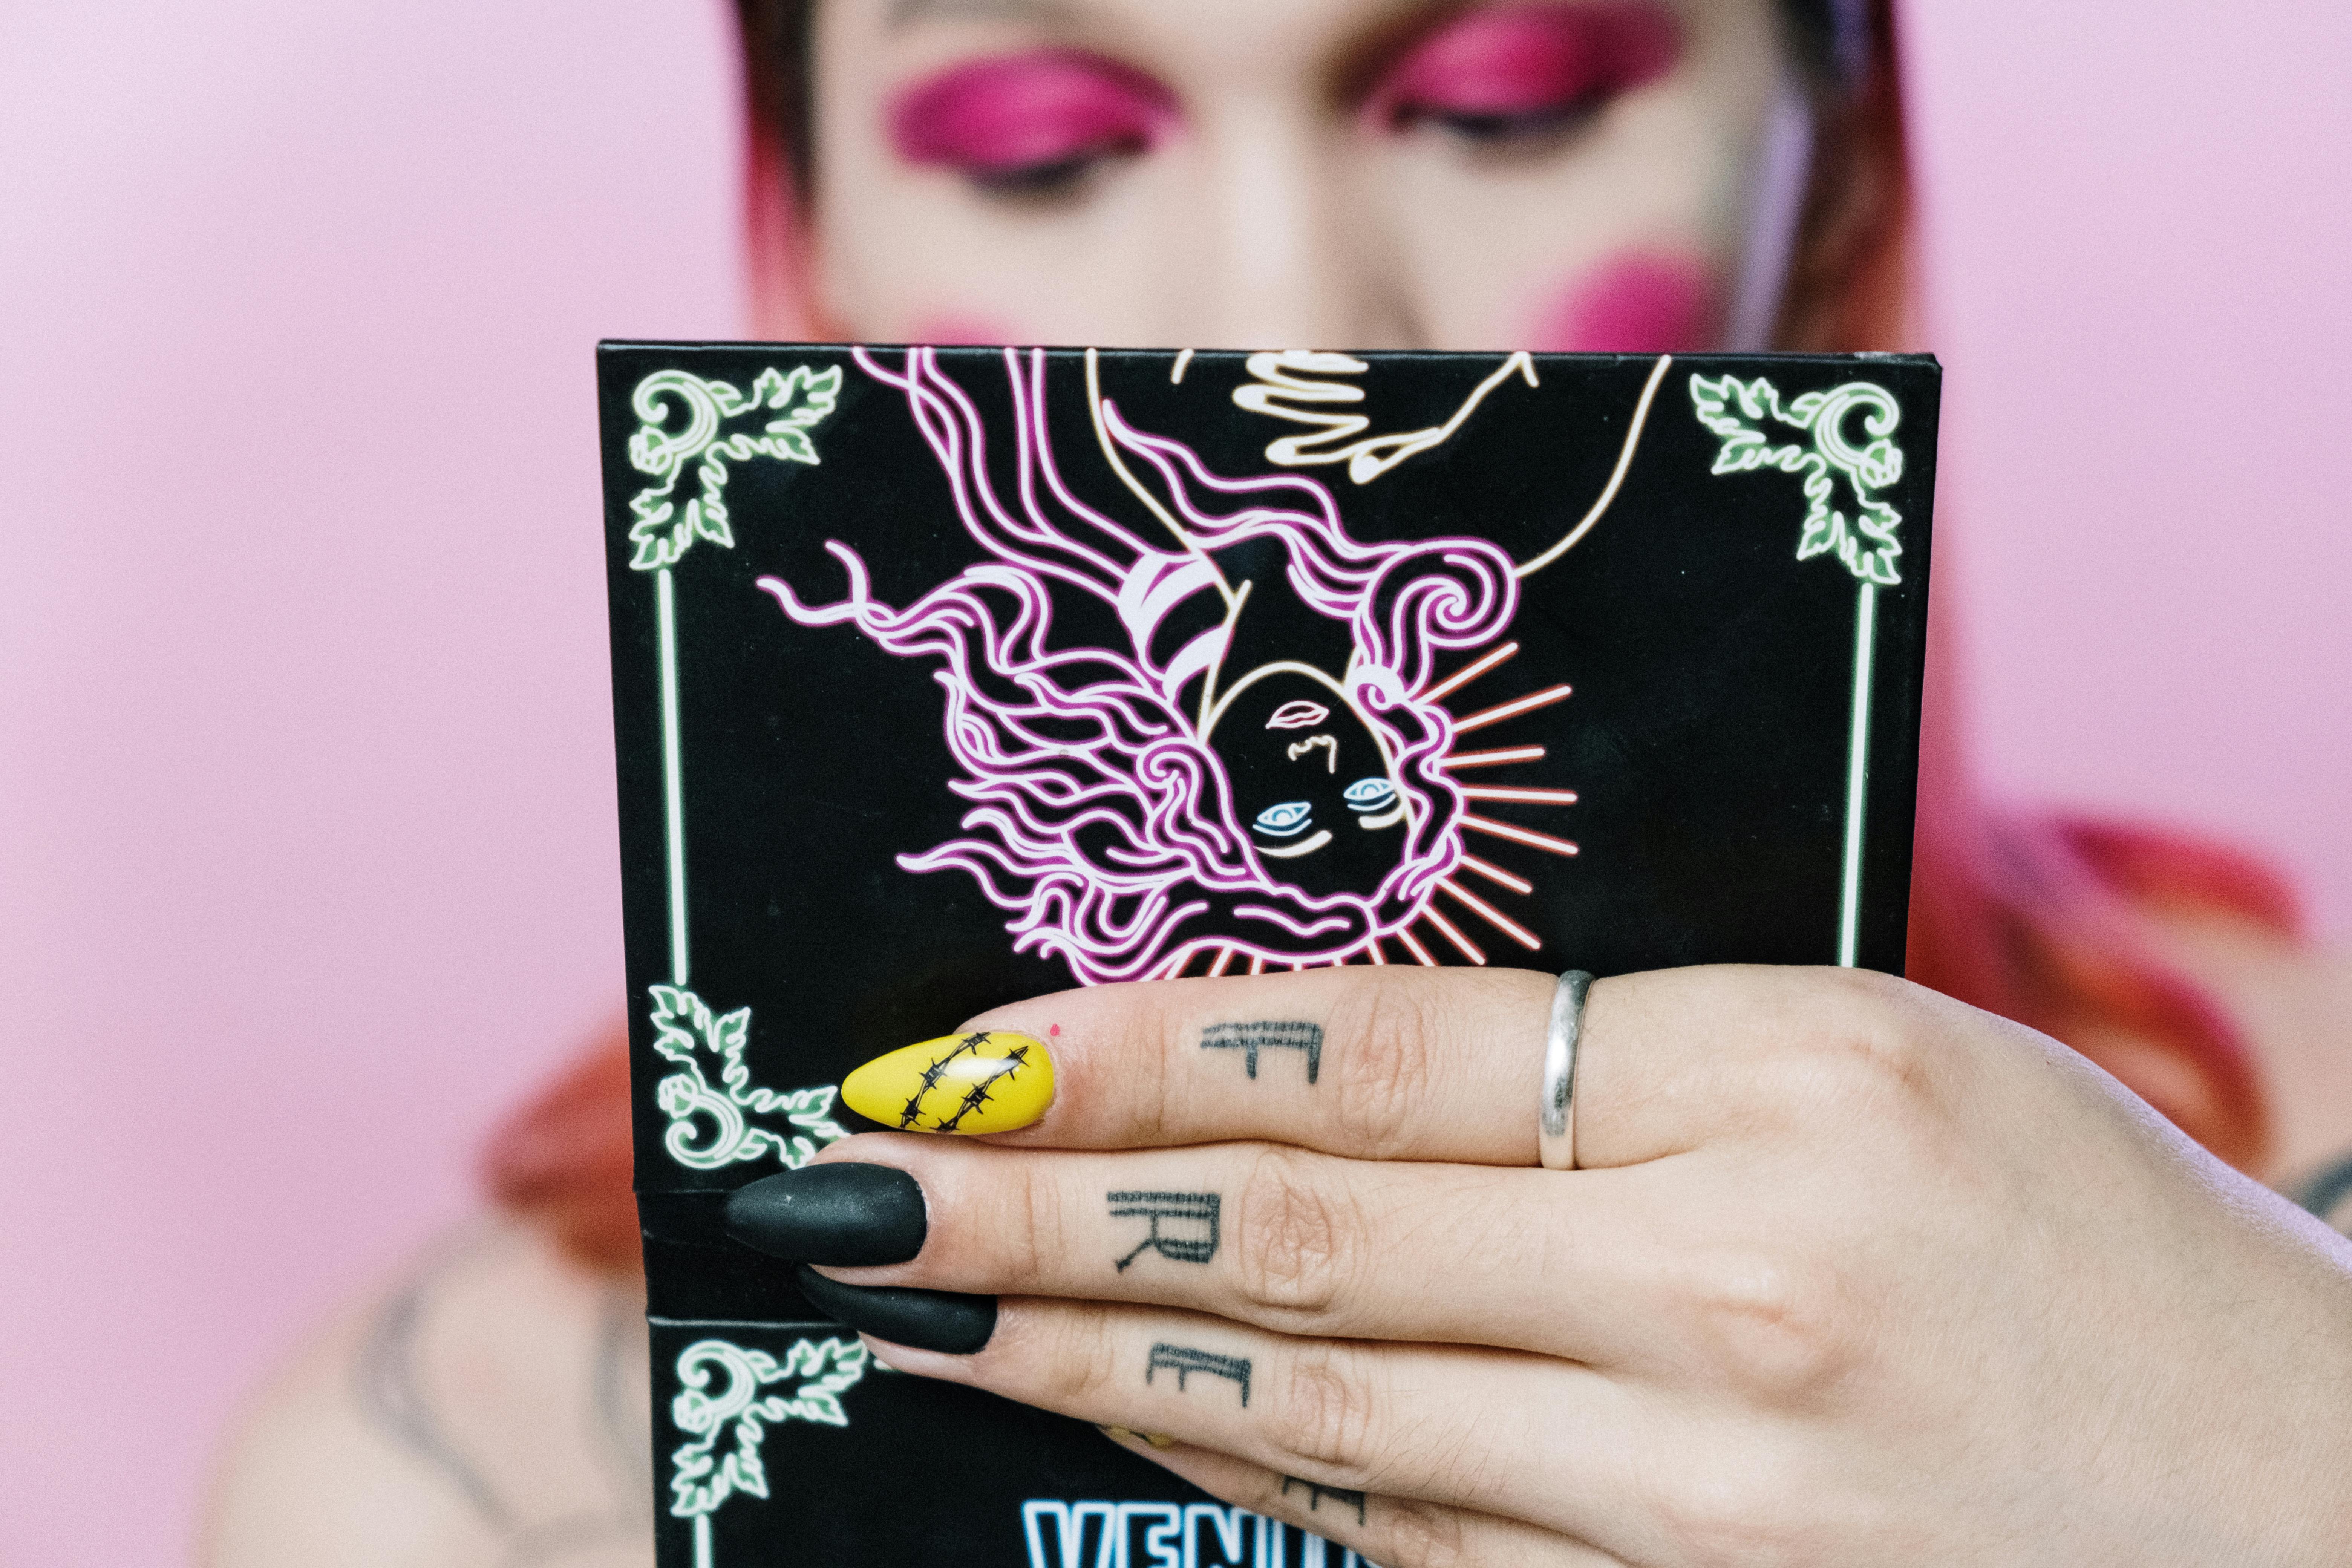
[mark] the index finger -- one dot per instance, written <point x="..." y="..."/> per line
<point x="1412" y="1064"/>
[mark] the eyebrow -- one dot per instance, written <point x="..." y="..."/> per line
<point x="904" y="13"/>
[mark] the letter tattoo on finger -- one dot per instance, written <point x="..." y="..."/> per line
<point x="1252" y="1038"/>
<point x="1316" y="1493"/>
<point x="1183" y="1361"/>
<point x="1193" y="1217"/>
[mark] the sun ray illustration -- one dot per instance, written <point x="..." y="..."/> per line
<point x="1512" y="709"/>
<point x="1528" y="796"/>
<point x="1495" y="759"/>
<point x="1373" y="947"/>
<point x="1507" y="795"/>
<point x="1493" y="916"/>
<point x="1527" y="835"/>
<point x="1498" y="874"/>
<point x="1468" y="673"/>
<point x="1258" y="963"/>
<point x="1470" y="949"/>
<point x="1225" y="957"/>
<point x="1412" y="945"/>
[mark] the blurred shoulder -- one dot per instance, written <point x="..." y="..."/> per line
<point x="490" y="1407"/>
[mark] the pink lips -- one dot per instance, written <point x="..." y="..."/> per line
<point x="1509" y="62"/>
<point x="1027" y="112"/>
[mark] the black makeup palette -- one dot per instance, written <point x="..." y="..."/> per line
<point x="944" y="677"/>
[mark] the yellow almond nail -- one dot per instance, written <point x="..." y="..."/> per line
<point x="1129" y="1434"/>
<point x="992" y="1081"/>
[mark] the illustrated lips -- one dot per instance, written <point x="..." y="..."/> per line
<point x="1299" y="715"/>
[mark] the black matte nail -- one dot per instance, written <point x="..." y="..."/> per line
<point x="939" y="1321"/>
<point x="844" y="1215"/>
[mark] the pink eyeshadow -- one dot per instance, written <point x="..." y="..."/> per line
<point x="1639" y="302"/>
<point x="1021" y="110"/>
<point x="1518" y="59"/>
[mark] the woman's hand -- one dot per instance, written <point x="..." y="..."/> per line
<point x="1850" y="1274"/>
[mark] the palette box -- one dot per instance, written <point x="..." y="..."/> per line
<point x="947" y="676"/>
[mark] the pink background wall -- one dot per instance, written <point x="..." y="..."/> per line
<point x="305" y="808"/>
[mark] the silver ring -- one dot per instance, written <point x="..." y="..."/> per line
<point x="1557" y="1144"/>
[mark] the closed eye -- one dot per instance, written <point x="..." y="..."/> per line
<point x="1032" y="125"/>
<point x="1286" y="821"/>
<point x="1508" y="76"/>
<point x="1370" y="795"/>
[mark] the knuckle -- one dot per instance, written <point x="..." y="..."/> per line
<point x="1415" y="1534"/>
<point x="1070" y="1354"/>
<point x="1863" y="1043"/>
<point x="1321" y="1415"/>
<point x="1294" y="1235"/>
<point x="1388" y="1024"/>
<point x="1786" y="1330"/>
<point x="1039" y="1237"/>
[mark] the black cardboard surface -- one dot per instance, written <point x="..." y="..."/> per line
<point x="1749" y="537"/>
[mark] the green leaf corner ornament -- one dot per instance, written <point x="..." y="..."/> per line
<point x="701" y="1476"/>
<point x="685" y="1030"/>
<point x="772" y="420"/>
<point x="1865" y="543"/>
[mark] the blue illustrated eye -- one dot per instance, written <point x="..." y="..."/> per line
<point x="1286" y="821"/>
<point x="1370" y="794"/>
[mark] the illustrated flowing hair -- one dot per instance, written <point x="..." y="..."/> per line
<point x="1100" y="819"/>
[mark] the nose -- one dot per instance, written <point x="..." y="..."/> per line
<point x="1286" y="256"/>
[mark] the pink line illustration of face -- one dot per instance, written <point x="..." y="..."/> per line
<point x="1125" y="810"/>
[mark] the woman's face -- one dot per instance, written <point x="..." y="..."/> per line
<point x="1311" y="786"/>
<point x="1560" y="174"/>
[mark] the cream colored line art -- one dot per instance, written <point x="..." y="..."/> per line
<point x="1286" y="386"/>
<point x="1150" y="502"/>
<point x="1216" y="665"/>
<point x="1327" y="745"/>
<point x="1295" y="850"/>
<point x="1616" y="479"/>
<point x="1176" y="371"/>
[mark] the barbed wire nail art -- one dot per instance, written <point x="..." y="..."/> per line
<point x="985" y="1081"/>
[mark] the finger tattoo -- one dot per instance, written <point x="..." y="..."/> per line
<point x="1252" y="1038"/>
<point x="1184" y="1360"/>
<point x="1316" y="1493"/>
<point x="1193" y="1216"/>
